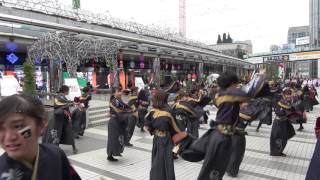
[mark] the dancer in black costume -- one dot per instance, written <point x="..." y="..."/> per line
<point x="143" y="101"/>
<point x="219" y="146"/>
<point x="120" y="113"/>
<point x="313" y="172"/>
<point x="161" y="124"/>
<point x="265" y="105"/>
<point x="248" y="112"/>
<point x="282" y="130"/>
<point x="59" y="129"/>
<point x="79" y="115"/>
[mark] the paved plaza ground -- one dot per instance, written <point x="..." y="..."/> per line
<point x="91" y="161"/>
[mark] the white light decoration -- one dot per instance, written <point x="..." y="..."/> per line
<point x="52" y="7"/>
<point x="67" y="47"/>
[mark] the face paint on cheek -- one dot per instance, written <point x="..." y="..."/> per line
<point x="25" y="132"/>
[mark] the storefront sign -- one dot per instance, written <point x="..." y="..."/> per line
<point x="276" y="58"/>
<point x="12" y="58"/>
<point x="305" y="56"/>
<point x="303" y="40"/>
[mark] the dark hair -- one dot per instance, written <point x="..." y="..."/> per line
<point x="160" y="99"/>
<point x="63" y="89"/>
<point x="226" y="79"/>
<point x="143" y="95"/>
<point x="181" y="94"/>
<point x="265" y="91"/>
<point x="23" y="104"/>
<point x="287" y="91"/>
<point x="134" y="90"/>
<point x="85" y="90"/>
<point x="114" y="89"/>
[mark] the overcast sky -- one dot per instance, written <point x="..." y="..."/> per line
<point x="265" y="22"/>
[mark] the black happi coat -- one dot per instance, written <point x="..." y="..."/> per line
<point x="282" y="130"/>
<point x="120" y="112"/>
<point x="59" y="129"/>
<point x="143" y="104"/>
<point x="52" y="165"/>
<point x="78" y="116"/>
<point x="186" y="117"/>
<point x="313" y="170"/>
<point x="156" y="120"/>
<point x="264" y="105"/>
<point x="219" y="148"/>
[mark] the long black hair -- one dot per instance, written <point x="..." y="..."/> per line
<point x="160" y="99"/>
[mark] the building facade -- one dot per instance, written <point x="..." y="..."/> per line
<point x="314" y="14"/>
<point x="236" y="49"/>
<point x="302" y="64"/>
<point x="298" y="36"/>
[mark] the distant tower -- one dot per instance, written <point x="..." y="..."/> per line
<point x="182" y="18"/>
<point x="314" y="18"/>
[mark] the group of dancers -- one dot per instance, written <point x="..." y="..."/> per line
<point x="175" y="125"/>
<point x="65" y="126"/>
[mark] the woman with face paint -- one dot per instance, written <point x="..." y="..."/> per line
<point x="22" y="122"/>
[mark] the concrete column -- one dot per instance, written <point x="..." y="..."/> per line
<point x="200" y="70"/>
<point x="156" y="70"/>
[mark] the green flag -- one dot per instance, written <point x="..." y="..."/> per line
<point x="76" y="4"/>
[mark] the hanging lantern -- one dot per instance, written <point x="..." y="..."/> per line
<point x="141" y="61"/>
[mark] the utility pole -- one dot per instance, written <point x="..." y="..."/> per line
<point x="182" y="18"/>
